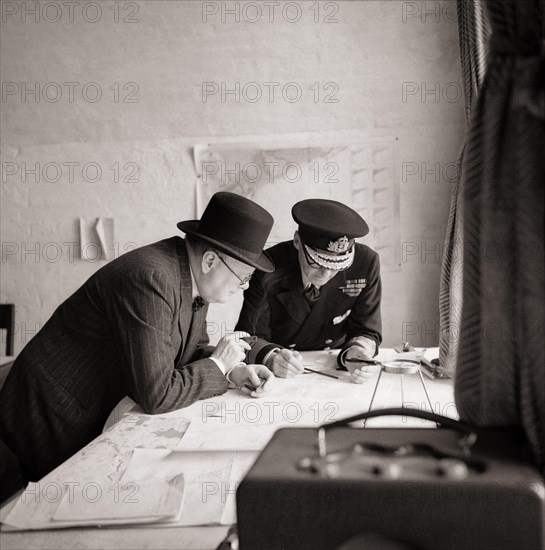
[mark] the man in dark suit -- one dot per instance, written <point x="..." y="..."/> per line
<point x="137" y="327"/>
<point x="324" y="293"/>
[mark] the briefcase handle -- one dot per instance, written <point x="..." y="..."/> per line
<point x="466" y="442"/>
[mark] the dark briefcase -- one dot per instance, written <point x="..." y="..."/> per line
<point x="452" y="488"/>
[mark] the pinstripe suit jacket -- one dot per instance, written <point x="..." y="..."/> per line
<point x="127" y="330"/>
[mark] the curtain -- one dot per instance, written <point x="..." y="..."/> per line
<point x="500" y="370"/>
<point x="474" y="33"/>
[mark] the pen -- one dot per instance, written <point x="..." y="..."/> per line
<point x="367" y="361"/>
<point x="322" y="373"/>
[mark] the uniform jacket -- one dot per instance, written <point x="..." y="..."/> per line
<point x="276" y="311"/>
<point x="129" y="330"/>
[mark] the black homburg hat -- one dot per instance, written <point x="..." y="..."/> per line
<point x="236" y="226"/>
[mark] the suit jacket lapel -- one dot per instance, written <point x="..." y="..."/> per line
<point x="319" y="314"/>
<point x="195" y="333"/>
<point x="184" y="319"/>
<point x="295" y="305"/>
<point x="290" y="293"/>
<point x="292" y="299"/>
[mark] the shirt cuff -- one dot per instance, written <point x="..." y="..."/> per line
<point x="269" y="355"/>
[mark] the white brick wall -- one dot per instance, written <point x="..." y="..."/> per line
<point x="369" y="53"/>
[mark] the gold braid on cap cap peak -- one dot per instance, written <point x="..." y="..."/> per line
<point x="331" y="261"/>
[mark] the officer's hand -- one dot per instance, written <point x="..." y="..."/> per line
<point x="360" y="372"/>
<point x="231" y="349"/>
<point x="255" y="380"/>
<point x="286" y="363"/>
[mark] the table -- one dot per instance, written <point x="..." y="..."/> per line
<point x="317" y="398"/>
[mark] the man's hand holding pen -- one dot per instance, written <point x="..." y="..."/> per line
<point x="286" y="363"/>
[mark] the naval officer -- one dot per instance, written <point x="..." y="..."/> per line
<point x="324" y="293"/>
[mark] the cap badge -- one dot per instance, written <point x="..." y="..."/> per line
<point x="340" y="245"/>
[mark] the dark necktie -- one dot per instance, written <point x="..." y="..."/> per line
<point x="311" y="295"/>
<point x="198" y="303"/>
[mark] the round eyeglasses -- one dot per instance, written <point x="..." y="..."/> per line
<point x="243" y="282"/>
